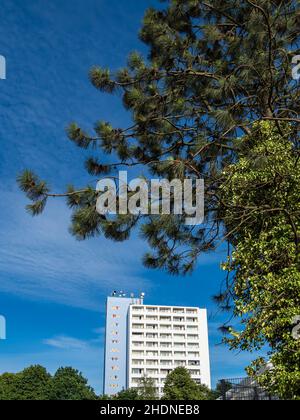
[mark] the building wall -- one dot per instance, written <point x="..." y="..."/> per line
<point x="150" y="340"/>
<point x="162" y="338"/>
<point x="116" y="344"/>
<point x="115" y="366"/>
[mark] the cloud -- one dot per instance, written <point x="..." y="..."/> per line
<point x="41" y="260"/>
<point x="67" y="343"/>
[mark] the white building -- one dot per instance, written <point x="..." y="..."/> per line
<point x="162" y="338"/>
<point x="150" y="340"/>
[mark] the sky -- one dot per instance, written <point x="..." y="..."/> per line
<point x="52" y="287"/>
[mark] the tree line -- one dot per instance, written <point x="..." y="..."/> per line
<point x="35" y="383"/>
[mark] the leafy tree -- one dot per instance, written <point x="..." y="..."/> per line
<point x="147" y="390"/>
<point x="69" y="384"/>
<point x="8" y="386"/>
<point x="104" y="397"/>
<point x="263" y="269"/>
<point x="180" y="386"/>
<point x="33" y="383"/>
<point x="127" y="395"/>
<point x="210" y="76"/>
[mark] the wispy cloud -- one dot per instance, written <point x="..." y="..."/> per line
<point x="40" y="259"/>
<point x="67" y="343"/>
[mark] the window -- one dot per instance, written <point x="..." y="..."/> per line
<point x="193" y="354"/>
<point x="137" y="353"/>
<point x="180" y="336"/>
<point x="115" y="308"/>
<point x="192" y="319"/>
<point x="166" y="371"/>
<point x="151" y="318"/>
<point x="137" y="334"/>
<point x="178" y="311"/>
<point x="195" y="372"/>
<point x="137" y="308"/>
<point x="178" y="319"/>
<point x="166" y="345"/>
<point x="136" y="371"/>
<point x="138" y="326"/>
<point x="138" y="344"/>
<point x="152" y="353"/>
<point x="165" y="318"/>
<point x="166" y="353"/>
<point x="193" y="345"/>
<point x="166" y="363"/>
<point x="191" y="311"/>
<point x="181" y="345"/>
<point x="180" y="363"/>
<point x="138" y="317"/>
<point x="165" y="335"/>
<point x="114" y="359"/>
<point x="115" y="341"/>
<point x="137" y="362"/>
<point x="192" y="327"/>
<point x="152" y="344"/>
<point x="151" y="327"/>
<point x="179" y="353"/>
<point x="179" y="327"/>
<point x="152" y="371"/>
<point x="165" y="310"/>
<point x="193" y="337"/>
<point x="151" y="335"/>
<point x="194" y="362"/>
<point x="115" y="368"/>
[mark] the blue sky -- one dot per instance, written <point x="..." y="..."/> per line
<point x="52" y="288"/>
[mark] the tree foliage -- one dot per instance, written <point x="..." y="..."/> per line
<point x="130" y="394"/>
<point x="263" y="269"/>
<point x="147" y="390"/>
<point x="179" y="386"/>
<point x="69" y="384"/>
<point x="35" y="383"/>
<point x="215" y="69"/>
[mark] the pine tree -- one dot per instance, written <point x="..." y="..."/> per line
<point x="214" y="69"/>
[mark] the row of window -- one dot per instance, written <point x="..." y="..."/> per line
<point x="165" y="353"/>
<point x="166" y="310"/>
<point x="167" y="362"/>
<point x="141" y="362"/>
<point x="163" y="345"/>
<point x="162" y="372"/>
<point x="164" y="318"/>
<point x="166" y="335"/>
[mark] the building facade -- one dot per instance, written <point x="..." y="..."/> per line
<point x="151" y="340"/>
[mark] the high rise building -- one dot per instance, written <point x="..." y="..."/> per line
<point x="152" y="340"/>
